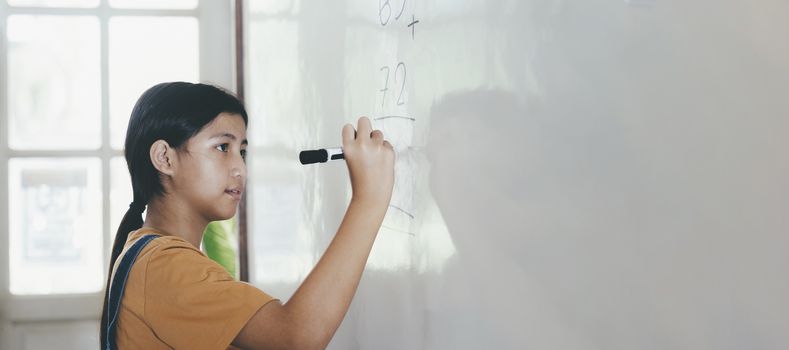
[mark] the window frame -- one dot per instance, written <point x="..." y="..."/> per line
<point x="216" y="47"/>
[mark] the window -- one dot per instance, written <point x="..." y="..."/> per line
<point x="70" y="72"/>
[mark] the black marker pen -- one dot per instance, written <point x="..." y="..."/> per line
<point x="321" y="155"/>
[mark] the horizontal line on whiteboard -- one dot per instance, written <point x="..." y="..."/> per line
<point x="395" y="116"/>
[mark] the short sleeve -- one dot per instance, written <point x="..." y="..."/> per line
<point x="191" y="302"/>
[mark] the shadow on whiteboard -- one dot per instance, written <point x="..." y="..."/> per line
<point x="481" y="297"/>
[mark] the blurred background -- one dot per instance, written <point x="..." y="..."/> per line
<point x="70" y="72"/>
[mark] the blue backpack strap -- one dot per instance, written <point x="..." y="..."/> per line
<point x="118" y="285"/>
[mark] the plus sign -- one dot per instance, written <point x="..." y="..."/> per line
<point x="412" y="25"/>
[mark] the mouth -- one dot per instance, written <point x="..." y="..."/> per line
<point x="234" y="192"/>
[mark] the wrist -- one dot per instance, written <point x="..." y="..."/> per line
<point x="370" y="201"/>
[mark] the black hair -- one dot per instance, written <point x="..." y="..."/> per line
<point x="173" y="112"/>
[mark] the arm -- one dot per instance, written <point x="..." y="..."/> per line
<point x="314" y="312"/>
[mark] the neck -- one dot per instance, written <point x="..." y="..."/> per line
<point x="173" y="217"/>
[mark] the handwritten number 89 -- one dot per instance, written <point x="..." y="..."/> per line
<point x="385" y="7"/>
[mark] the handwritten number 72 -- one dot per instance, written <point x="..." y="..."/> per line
<point x="400" y="71"/>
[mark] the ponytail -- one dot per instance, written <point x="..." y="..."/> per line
<point x="130" y="222"/>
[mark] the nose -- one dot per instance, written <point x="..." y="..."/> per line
<point x="239" y="168"/>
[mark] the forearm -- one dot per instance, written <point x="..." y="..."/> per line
<point x="317" y="308"/>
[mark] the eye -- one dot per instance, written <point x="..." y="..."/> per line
<point x="223" y="147"/>
<point x="244" y="154"/>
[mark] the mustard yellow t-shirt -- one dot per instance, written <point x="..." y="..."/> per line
<point x="178" y="298"/>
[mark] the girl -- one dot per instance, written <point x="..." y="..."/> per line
<point x="185" y="149"/>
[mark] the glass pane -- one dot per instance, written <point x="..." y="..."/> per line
<point x="145" y="51"/>
<point x="54" y="98"/>
<point x="55" y="3"/>
<point x="273" y="7"/>
<point x="55" y="243"/>
<point x="154" y="4"/>
<point x="120" y="194"/>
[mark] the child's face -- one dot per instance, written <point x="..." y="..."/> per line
<point x="212" y="173"/>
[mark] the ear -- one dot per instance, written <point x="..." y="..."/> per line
<point x="163" y="157"/>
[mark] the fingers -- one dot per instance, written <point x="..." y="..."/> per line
<point x="377" y="135"/>
<point x="365" y="127"/>
<point x="348" y="134"/>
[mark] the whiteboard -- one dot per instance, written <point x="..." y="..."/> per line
<point x="569" y="175"/>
